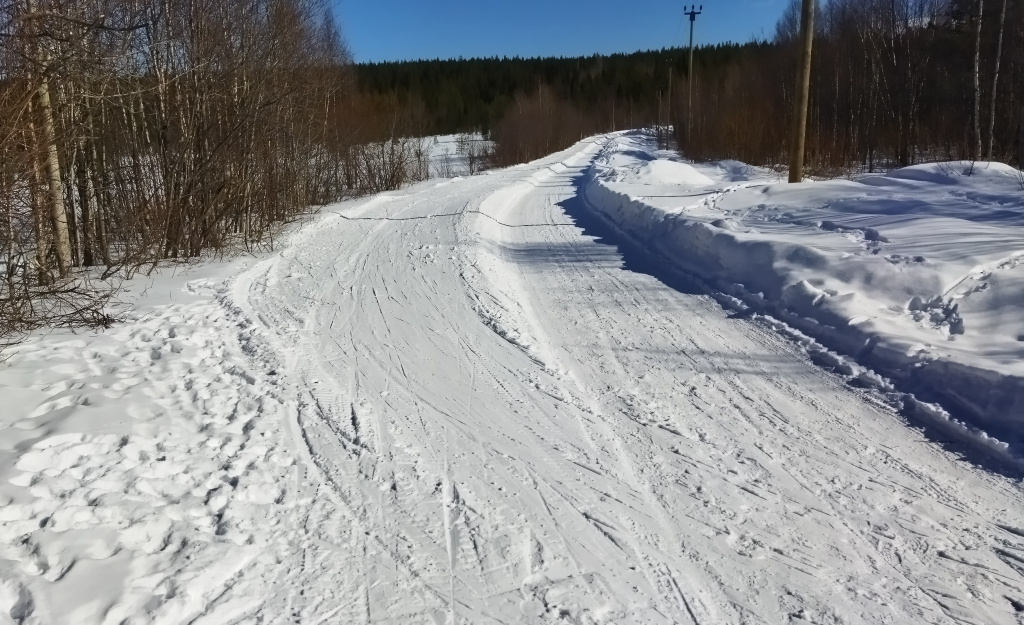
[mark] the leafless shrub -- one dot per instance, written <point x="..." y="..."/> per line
<point x="538" y="125"/>
<point x="473" y="151"/>
<point x="389" y="164"/>
<point x="444" y="165"/>
<point x="133" y="132"/>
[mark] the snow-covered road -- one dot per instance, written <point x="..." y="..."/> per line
<point x="503" y="423"/>
<point x="495" y="419"/>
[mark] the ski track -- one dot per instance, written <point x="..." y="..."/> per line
<point x="513" y="428"/>
<point x="479" y="415"/>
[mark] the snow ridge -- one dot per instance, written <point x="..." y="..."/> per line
<point x="845" y="293"/>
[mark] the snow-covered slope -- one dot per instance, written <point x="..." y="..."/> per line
<point x="471" y="402"/>
<point x="919" y="273"/>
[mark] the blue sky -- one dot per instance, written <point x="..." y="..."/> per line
<point x="379" y="30"/>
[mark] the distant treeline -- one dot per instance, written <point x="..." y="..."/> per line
<point x="894" y="82"/>
<point x="475" y="94"/>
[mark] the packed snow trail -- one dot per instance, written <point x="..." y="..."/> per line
<point x="464" y="403"/>
<point x="501" y="423"/>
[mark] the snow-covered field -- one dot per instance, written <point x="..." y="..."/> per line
<point x="450" y="156"/>
<point x="475" y="401"/>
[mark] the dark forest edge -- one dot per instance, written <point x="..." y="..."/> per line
<point x="132" y="133"/>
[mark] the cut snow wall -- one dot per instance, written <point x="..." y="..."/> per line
<point x="759" y="273"/>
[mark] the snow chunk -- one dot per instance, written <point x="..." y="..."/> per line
<point x="662" y="171"/>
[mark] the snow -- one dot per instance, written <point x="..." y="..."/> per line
<point x="473" y="401"/>
<point x="448" y="154"/>
<point x="917" y="274"/>
<point x="142" y="466"/>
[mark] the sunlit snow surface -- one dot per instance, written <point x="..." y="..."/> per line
<point x="919" y="273"/>
<point x="478" y="401"/>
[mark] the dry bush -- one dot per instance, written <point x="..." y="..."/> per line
<point x="377" y="142"/>
<point x="444" y="167"/>
<point x="536" y="126"/>
<point x="388" y="164"/>
<point x="473" y="151"/>
<point x="132" y="132"/>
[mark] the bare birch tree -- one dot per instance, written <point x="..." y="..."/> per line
<point x="995" y="82"/>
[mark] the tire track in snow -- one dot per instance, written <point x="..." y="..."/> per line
<point x="728" y="470"/>
<point x="939" y="495"/>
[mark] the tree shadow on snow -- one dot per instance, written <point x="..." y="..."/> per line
<point x="633" y="255"/>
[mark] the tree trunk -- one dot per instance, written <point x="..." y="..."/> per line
<point x="802" y="94"/>
<point x="86" y="198"/>
<point x="58" y="212"/>
<point x="71" y="205"/>
<point x="39" y="206"/>
<point x="995" y="84"/>
<point x="48" y="137"/>
<point x="976" y="127"/>
<point x="100" y="187"/>
<point x="1020" y="141"/>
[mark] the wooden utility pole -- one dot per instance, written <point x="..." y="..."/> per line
<point x="802" y="94"/>
<point x="693" y="13"/>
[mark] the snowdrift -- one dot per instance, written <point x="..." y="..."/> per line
<point x="918" y="274"/>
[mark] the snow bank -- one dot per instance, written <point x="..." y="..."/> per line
<point x="918" y="274"/>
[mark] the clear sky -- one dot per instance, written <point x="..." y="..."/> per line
<point x="379" y="30"/>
